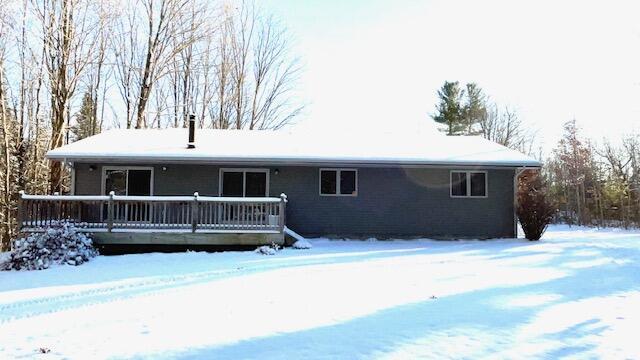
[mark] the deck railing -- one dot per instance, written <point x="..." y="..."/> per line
<point x="114" y="213"/>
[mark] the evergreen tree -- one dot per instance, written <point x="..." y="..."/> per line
<point x="86" y="122"/>
<point x="474" y="110"/>
<point x="450" y="110"/>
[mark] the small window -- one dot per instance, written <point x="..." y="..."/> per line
<point x="328" y="182"/>
<point x="468" y="184"/>
<point x="347" y="182"/>
<point x="459" y="184"/>
<point x="478" y="184"/>
<point x="338" y="182"/>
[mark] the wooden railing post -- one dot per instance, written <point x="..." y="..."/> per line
<point x="56" y="209"/>
<point x="194" y="212"/>
<point x="19" y="216"/>
<point x="110" y="211"/>
<point x="283" y="211"/>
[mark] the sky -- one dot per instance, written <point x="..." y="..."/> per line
<point x="378" y="64"/>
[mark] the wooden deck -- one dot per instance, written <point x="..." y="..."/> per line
<point x="180" y="220"/>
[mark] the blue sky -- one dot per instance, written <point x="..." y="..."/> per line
<point x="379" y="63"/>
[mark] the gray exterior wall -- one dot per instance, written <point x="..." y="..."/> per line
<point x="391" y="201"/>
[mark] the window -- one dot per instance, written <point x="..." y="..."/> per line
<point x="132" y="181"/>
<point x="328" y="182"/>
<point x="468" y="184"/>
<point x="244" y="182"/>
<point x="338" y="182"/>
<point x="128" y="181"/>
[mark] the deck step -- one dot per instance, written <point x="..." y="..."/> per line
<point x="299" y="241"/>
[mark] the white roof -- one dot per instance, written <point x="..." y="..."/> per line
<point x="274" y="147"/>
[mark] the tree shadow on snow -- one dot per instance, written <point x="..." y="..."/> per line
<point x="490" y="319"/>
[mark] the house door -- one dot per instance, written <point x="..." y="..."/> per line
<point x="244" y="183"/>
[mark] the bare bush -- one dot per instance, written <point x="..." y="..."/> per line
<point x="534" y="210"/>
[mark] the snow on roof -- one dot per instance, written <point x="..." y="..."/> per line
<point x="226" y="146"/>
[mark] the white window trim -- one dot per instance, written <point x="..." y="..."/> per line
<point x="337" y="170"/>
<point x="107" y="168"/>
<point x="72" y="190"/>
<point x="244" y="178"/>
<point x="468" y="173"/>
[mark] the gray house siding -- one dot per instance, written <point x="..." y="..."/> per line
<point x="391" y="201"/>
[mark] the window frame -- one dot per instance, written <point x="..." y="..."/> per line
<point x="127" y="168"/>
<point x="244" y="172"/>
<point x="468" y="177"/>
<point x="338" y="185"/>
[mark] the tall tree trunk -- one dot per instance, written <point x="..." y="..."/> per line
<point x="5" y="231"/>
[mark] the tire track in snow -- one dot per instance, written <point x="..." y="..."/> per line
<point x="98" y="295"/>
<point x="148" y="286"/>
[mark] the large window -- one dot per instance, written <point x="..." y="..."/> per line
<point x="128" y="181"/>
<point x="338" y="182"/>
<point x="469" y="184"/>
<point x="132" y="181"/>
<point x="244" y="182"/>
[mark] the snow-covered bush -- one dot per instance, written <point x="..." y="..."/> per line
<point x="59" y="243"/>
<point x="534" y="210"/>
<point x="268" y="249"/>
<point x="302" y="244"/>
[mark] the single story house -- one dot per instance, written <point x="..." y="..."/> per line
<point x="345" y="185"/>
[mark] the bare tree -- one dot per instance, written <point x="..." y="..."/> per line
<point x="70" y="41"/>
<point x="274" y="74"/>
<point x="621" y="178"/>
<point x="166" y="22"/>
<point x="125" y="50"/>
<point x="220" y="109"/>
<point x="505" y="127"/>
<point x="6" y="150"/>
<point x="98" y="73"/>
<point x="241" y="40"/>
<point x="254" y="72"/>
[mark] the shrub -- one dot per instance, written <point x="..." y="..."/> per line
<point x="268" y="249"/>
<point x="534" y="210"/>
<point x="59" y="243"/>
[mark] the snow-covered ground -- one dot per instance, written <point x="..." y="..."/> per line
<point x="577" y="293"/>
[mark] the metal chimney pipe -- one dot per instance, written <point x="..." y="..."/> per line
<point x="192" y="132"/>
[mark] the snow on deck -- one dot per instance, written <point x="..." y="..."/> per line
<point x="574" y="293"/>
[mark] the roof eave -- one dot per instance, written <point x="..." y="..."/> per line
<point x="291" y="161"/>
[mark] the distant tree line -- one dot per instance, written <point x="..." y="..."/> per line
<point x="71" y="68"/>
<point x="595" y="184"/>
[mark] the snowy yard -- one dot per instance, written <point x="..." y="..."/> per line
<point x="577" y="292"/>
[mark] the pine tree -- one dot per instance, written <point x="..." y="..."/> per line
<point x="449" y="110"/>
<point x="474" y="110"/>
<point x="86" y="123"/>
